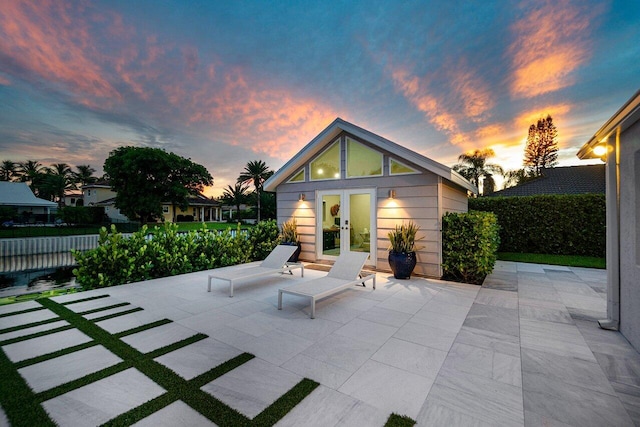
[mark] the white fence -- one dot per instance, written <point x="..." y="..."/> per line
<point x="46" y="245"/>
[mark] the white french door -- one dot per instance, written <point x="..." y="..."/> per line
<point x="346" y="221"/>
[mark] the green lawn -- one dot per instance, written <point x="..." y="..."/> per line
<point x="566" y="260"/>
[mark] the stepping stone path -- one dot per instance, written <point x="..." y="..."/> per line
<point x="90" y="361"/>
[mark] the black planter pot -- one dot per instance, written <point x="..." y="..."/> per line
<point x="296" y="254"/>
<point x="402" y="264"/>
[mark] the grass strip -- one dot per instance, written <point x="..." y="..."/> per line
<point x="29" y="310"/>
<point x="140" y="412"/>
<point x="14" y="299"/>
<point x="396" y="420"/>
<point x="113" y="315"/>
<point x="17" y="398"/>
<point x="109" y="307"/>
<point x="35" y="335"/>
<point x="54" y="354"/>
<point x="220" y="370"/>
<point x="84" y="299"/>
<point x="565" y="260"/>
<point x="81" y="382"/>
<point x="176" y="386"/>
<point x="176" y="345"/>
<point x="29" y="325"/>
<point x="285" y="403"/>
<point x="142" y="328"/>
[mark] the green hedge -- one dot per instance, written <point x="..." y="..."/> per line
<point x="546" y="224"/>
<point x="83" y="214"/>
<point x="118" y="259"/>
<point x="469" y="245"/>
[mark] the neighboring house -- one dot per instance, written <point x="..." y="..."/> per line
<point x="73" y="199"/>
<point x="348" y="188"/>
<point x="560" y="180"/>
<point x="619" y="142"/>
<point x="101" y="194"/>
<point x="29" y="208"/>
<point x="201" y="208"/>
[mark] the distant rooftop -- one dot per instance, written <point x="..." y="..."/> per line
<point x="19" y="194"/>
<point x="562" y="180"/>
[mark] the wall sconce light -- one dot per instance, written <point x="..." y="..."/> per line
<point x="302" y="197"/>
<point x="392" y="194"/>
<point x="600" y="150"/>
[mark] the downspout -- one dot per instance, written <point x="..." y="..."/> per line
<point x="439" y="225"/>
<point x="613" y="237"/>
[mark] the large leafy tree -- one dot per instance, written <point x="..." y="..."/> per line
<point x="474" y="167"/>
<point x="8" y="170"/>
<point x="235" y="195"/>
<point x="255" y="172"/>
<point x="541" y="150"/>
<point x="145" y="177"/>
<point x="55" y="182"/>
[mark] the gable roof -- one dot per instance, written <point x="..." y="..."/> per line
<point x="19" y="194"/>
<point x="328" y="135"/>
<point x="564" y="180"/>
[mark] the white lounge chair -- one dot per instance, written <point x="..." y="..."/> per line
<point x="342" y="275"/>
<point x="275" y="262"/>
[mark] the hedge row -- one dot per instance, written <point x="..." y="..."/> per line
<point x="549" y="224"/>
<point x="469" y="245"/>
<point x="118" y="259"/>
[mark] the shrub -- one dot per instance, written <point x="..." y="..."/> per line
<point x="142" y="256"/>
<point x="549" y="224"/>
<point x="469" y="245"/>
<point x="263" y="238"/>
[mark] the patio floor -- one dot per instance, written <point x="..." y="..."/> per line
<point x="523" y="349"/>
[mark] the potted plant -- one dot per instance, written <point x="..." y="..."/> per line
<point x="289" y="236"/>
<point x="402" y="249"/>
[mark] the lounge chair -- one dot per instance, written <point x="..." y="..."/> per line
<point x="342" y="275"/>
<point x="275" y="262"/>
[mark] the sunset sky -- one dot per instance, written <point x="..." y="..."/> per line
<point x="226" y="82"/>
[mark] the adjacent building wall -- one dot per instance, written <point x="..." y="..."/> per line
<point x="629" y="182"/>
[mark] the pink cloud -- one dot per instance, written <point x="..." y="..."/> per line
<point x="551" y="41"/>
<point x="46" y="40"/>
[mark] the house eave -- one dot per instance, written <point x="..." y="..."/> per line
<point x="627" y="114"/>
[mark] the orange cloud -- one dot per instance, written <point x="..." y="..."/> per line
<point x="43" y="39"/>
<point x="472" y="91"/>
<point x="527" y="118"/>
<point x="551" y="41"/>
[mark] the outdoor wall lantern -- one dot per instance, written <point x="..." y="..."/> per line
<point x="600" y="150"/>
<point x="302" y="197"/>
<point x="392" y="194"/>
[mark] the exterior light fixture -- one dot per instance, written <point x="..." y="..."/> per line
<point x="392" y="194"/>
<point x="600" y="150"/>
<point x="302" y="197"/>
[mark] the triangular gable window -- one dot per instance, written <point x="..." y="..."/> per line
<point x="398" y="168"/>
<point x="327" y="164"/>
<point x="362" y="161"/>
<point x="299" y="177"/>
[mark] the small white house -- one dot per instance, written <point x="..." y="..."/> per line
<point x="349" y="187"/>
<point x="18" y="195"/>
<point x="618" y="143"/>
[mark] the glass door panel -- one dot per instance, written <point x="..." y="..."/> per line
<point x="359" y="232"/>
<point x="329" y="223"/>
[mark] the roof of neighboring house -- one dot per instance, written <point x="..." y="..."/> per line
<point x="562" y="180"/>
<point x="200" y="200"/>
<point x="627" y="115"/>
<point x="19" y="194"/>
<point x="328" y="135"/>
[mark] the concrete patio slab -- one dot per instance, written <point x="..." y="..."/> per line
<point x="46" y="344"/>
<point x="32" y="330"/>
<point x="79" y="307"/>
<point x="252" y="387"/>
<point x="54" y="372"/>
<point x="26" y="318"/>
<point x="198" y="358"/>
<point x="129" y="321"/>
<point x="96" y="403"/>
<point x="158" y="337"/>
<point x="12" y="308"/>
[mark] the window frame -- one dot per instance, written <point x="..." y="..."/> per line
<point x="346" y="162"/>
<point x="391" y="159"/>
<point x="337" y="141"/>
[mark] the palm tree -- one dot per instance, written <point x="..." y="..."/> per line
<point x="84" y="175"/>
<point x="29" y="171"/>
<point x="255" y="172"/>
<point x="8" y="170"/>
<point x="235" y="195"/>
<point x="61" y="180"/>
<point x="473" y="166"/>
